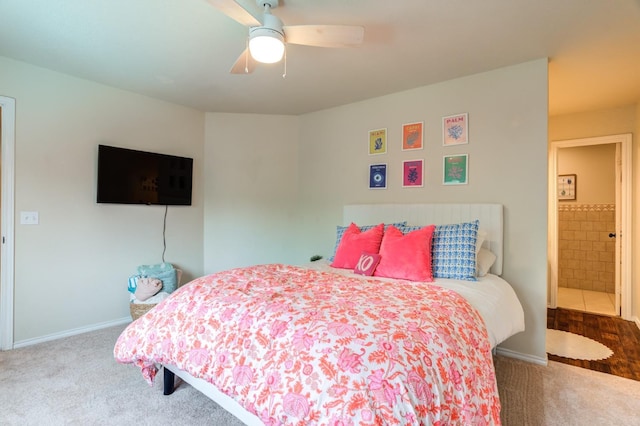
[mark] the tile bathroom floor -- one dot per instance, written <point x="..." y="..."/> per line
<point x="595" y="302"/>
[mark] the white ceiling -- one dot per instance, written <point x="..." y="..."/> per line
<point x="182" y="50"/>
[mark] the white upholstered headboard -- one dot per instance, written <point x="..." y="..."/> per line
<point x="489" y="215"/>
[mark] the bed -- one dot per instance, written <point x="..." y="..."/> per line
<point x="315" y="344"/>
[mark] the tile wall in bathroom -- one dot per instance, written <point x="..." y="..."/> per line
<point x="586" y="253"/>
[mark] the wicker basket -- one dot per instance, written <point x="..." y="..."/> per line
<point x="139" y="309"/>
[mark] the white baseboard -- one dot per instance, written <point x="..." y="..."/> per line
<point x="72" y="332"/>
<point x="523" y="357"/>
<point x="637" y="321"/>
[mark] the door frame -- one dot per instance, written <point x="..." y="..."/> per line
<point x="624" y="231"/>
<point x="8" y="140"/>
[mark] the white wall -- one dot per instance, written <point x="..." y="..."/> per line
<point x="592" y="123"/>
<point x="71" y="270"/>
<point x="508" y="162"/>
<point x="251" y="182"/>
<point x="595" y="170"/>
<point x="274" y="185"/>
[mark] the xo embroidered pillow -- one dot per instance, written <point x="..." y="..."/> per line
<point x="367" y="264"/>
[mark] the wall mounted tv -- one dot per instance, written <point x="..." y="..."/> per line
<point x="127" y="176"/>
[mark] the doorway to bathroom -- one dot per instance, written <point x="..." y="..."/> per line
<point x="589" y="216"/>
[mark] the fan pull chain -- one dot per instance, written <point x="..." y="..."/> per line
<point x="246" y="56"/>
<point x="285" y="62"/>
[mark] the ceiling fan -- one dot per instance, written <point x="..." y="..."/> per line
<point x="267" y="38"/>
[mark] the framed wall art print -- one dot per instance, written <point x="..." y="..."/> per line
<point x="455" y="129"/>
<point x="378" y="176"/>
<point x="455" y="169"/>
<point x="377" y="141"/>
<point x="566" y="187"/>
<point x="412" y="136"/>
<point x="412" y="173"/>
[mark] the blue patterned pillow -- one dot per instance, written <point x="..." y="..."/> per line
<point x="340" y="232"/>
<point x="454" y="251"/>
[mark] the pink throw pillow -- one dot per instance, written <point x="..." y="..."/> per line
<point x="406" y="257"/>
<point x="354" y="242"/>
<point x="367" y="264"/>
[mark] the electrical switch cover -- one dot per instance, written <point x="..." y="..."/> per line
<point x="28" y="218"/>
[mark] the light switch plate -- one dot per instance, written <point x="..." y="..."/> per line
<point x="29" y="218"/>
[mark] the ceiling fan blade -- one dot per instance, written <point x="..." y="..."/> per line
<point x="324" y="35"/>
<point x="235" y="11"/>
<point x="245" y="64"/>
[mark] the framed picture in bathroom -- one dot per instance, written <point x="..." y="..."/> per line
<point x="566" y="187"/>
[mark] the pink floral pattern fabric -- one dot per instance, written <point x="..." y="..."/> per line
<point x="297" y="346"/>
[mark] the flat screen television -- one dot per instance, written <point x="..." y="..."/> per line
<point x="127" y="176"/>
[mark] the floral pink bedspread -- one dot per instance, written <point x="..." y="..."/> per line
<point x="301" y="347"/>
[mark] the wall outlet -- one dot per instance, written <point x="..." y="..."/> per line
<point x="29" y="218"/>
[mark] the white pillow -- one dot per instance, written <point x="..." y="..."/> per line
<point x="482" y="235"/>
<point x="484" y="261"/>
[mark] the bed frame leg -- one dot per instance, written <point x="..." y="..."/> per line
<point x="169" y="380"/>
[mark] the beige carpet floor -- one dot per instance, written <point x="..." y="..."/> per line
<point x="75" y="381"/>
<point x="561" y="394"/>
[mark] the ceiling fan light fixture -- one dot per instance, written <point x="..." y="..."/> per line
<point x="266" y="40"/>
<point x="266" y="45"/>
